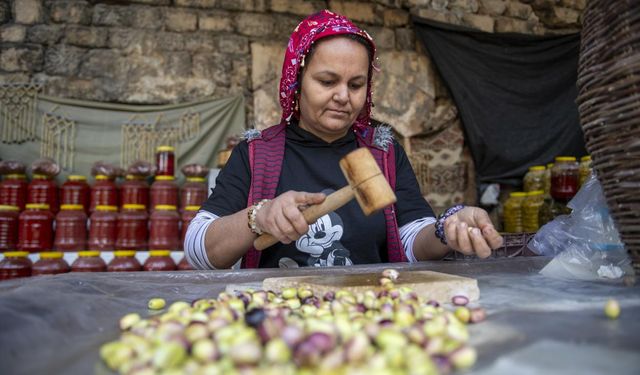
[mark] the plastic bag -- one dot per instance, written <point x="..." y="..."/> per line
<point x="585" y="244"/>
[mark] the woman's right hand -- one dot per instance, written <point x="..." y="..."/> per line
<point x="282" y="216"/>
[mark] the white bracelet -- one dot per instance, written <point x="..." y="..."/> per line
<point x="252" y="213"/>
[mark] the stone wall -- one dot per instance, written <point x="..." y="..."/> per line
<point x="167" y="51"/>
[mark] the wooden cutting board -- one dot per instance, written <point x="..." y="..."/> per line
<point x="428" y="284"/>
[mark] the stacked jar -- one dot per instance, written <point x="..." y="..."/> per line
<point x="164" y="192"/>
<point x="103" y="228"/>
<point x="50" y="263"/>
<point x="89" y="261"/>
<point x="124" y="261"/>
<point x="71" y="228"/>
<point x="159" y="260"/>
<point x="76" y="191"/>
<point x="135" y="189"/>
<point x="35" y="228"/>
<point x="164" y="228"/>
<point x="534" y="178"/>
<point x="513" y="212"/>
<point x="531" y="210"/>
<point x="15" y="264"/>
<point x="8" y="227"/>
<point x="188" y="213"/>
<point x="194" y="191"/>
<point x="584" y="169"/>
<point x="132" y="227"/>
<point x="104" y="192"/>
<point x="13" y="188"/>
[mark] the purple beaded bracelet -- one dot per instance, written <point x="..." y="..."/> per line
<point x="440" y="222"/>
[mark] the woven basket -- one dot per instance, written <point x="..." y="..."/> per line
<point x="609" y="106"/>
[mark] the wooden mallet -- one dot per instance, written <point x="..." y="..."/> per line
<point x="366" y="183"/>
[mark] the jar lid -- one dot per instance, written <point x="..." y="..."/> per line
<point x="192" y="208"/>
<point x="101" y="177"/>
<point x="16" y="254"/>
<point x="37" y="206"/>
<point x="165" y="178"/>
<point x="165" y="207"/>
<point x="195" y="179"/>
<point x="586" y="158"/>
<point x="50" y="255"/>
<point x="536" y="193"/>
<point x="6" y="207"/>
<point x="104" y="207"/>
<point x="15" y="176"/>
<point x="165" y="148"/>
<point x="40" y="176"/>
<point x="124" y="253"/>
<point x="89" y="253"/>
<point x="549" y="165"/>
<point x="134" y="206"/>
<point x="565" y="158"/>
<point x="71" y="207"/>
<point x="518" y="194"/>
<point x="537" y="168"/>
<point x="159" y="253"/>
<point x="133" y="177"/>
<point x="77" y="177"/>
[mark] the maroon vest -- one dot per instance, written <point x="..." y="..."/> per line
<point x="266" y="153"/>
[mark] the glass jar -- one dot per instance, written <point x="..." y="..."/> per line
<point x="50" y="263"/>
<point x="35" y="228"/>
<point x="134" y="190"/>
<point x="132" y="227"/>
<point x="124" y="261"/>
<point x="13" y="190"/>
<point x="184" y="265"/>
<point x="43" y="190"/>
<point x="165" y="161"/>
<point x="164" y="191"/>
<point x="71" y="228"/>
<point x="531" y="210"/>
<point x="164" y="228"/>
<point x="103" y="228"/>
<point x="534" y="178"/>
<point x="584" y="169"/>
<point x="159" y="260"/>
<point x="76" y="190"/>
<point x="8" y="227"/>
<point x="88" y="261"/>
<point x="193" y="192"/>
<point x="564" y="179"/>
<point x="14" y="265"/>
<point x="513" y="212"/>
<point x="104" y="192"/>
<point x="547" y="179"/>
<point x="188" y="214"/>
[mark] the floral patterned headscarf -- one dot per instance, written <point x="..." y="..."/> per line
<point x="311" y="29"/>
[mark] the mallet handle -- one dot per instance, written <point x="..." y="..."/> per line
<point x="331" y="203"/>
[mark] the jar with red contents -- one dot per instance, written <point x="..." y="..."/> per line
<point x="188" y="214"/>
<point x="8" y="227"/>
<point x="164" y="228"/>
<point x="35" y="228"/>
<point x="159" y="260"/>
<point x="134" y="190"/>
<point x="43" y="190"/>
<point x="14" y="265"/>
<point x="164" y="191"/>
<point x="184" y="265"/>
<point x="165" y="161"/>
<point x="13" y="190"/>
<point x="104" y="192"/>
<point x="132" y="227"/>
<point x="76" y="190"/>
<point x="124" y="261"/>
<point x="50" y="263"/>
<point x="564" y="178"/>
<point x="193" y="192"/>
<point x="89" y="261"/>
<point x="71" y="228"/>
<point x="103" y="228"/>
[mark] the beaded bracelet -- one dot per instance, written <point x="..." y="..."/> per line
<point x="253" y="211"/>
<point x="440" y="222"/>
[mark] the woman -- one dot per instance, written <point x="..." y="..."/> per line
<point x="325" y="94"/>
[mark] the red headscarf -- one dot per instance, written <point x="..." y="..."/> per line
<point x="311" y="29"/>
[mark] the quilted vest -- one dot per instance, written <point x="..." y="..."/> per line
<point x="266" y="154"/>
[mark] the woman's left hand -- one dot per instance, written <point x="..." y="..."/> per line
<point x="470" y="231"/>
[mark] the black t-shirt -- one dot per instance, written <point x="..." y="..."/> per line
<point x="343" y="237"/>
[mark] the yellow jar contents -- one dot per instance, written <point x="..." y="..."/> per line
<point x="531" y="210"/>
<point x="513" y="212"/>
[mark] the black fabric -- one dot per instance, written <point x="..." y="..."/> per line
<point x="311" y="165"/>
<point x="515" y="93"/>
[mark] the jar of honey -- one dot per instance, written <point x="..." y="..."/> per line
<point x="14" y="265"/>
<point x="124" y="261"/>
<point x="50" y="263"/>
<point x="564" y="178"/>
<point x="103" y="228"/>
<point x="35" y="228"/>
<point x="188" y="214"/>
<point x="89" y="261"/>
<point x="164" y="191"/>
<point x="165" y="161"/>
<point x="71" y="228"/>
<point x="104" y="192"/>
<point x="134" y="190"/>
<point x="513" y="212"/>
<point x="13" y="190"/>
<point x="76" y="190"/>
<point x="8" y="227"/>
<point x="43" y="190"/>
<point x="159" y="260"/>
<point x="133" y="230"/>
<point x="164" y="228"/>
